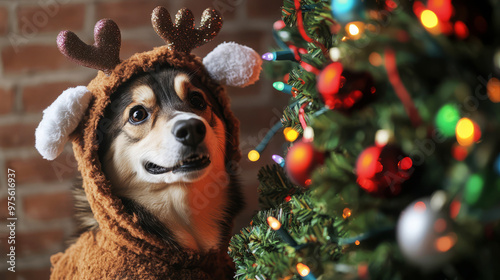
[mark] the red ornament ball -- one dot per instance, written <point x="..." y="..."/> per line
<point x="382" y="170"/>
<point x="329" y="80"/>
<point x="343" y="89"/>
<point x="300" y="162"/>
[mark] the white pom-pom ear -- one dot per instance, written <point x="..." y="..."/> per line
<point x="233" y="64"/>
<point x="59" y="120"/>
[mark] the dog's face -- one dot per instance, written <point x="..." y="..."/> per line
<point x="162" y="128"/>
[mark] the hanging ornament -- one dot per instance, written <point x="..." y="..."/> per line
<point x="446" y="120"/>
<point x="382" y="170"/>
<point x="425" y="234"/>
<point x="300" y="162"/>
<point x="328" y="82"/>
<point x="344" y="89"/>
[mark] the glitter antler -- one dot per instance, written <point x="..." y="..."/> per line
<point x="183" y="36"/>
<point x="103" y="55"/>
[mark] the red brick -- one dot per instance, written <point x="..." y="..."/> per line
<point x="227" y="8"/>
<point x="4" y="20"/>
<point x="4" y="212"/>
<point x="7" y="104"/>
<point x="130" y="47"/>
<point x="37" y="169"/>
<point x="251" y="90"/>
<point x="39" y="242"/>
<point x="17" y="135"/>
<point x="37" y="98"/>
<point x="264" y="9"/>
<point x="48" y="206"/>
<point x="128" y="14"/>
<point x="250" y="38"/>
<point x="26" y="274"/>
<point x="30" y="243"/>
<point x="54" y="17"/>
<point x="33" y="58"/>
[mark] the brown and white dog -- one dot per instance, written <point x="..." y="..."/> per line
<point x="155" y="142"/>
<point x="163" y="143"/>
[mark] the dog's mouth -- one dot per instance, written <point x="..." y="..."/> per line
<point x="191" y="163"/>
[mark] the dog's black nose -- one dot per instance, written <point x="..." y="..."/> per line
<point x="189" y="132"/>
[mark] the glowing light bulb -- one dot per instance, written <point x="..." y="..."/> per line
<point x="429" y="19"/>
<point x="346" y="213"/>
<point x="268" y="56"/>
<point x="446" y="119"/>
<point x="420" y="206"/>
<point x="253" y="155"/>
<point x="375" y="59"/>
<point x="273" y="223"/>
<point x="493" y="88"/>
<point x="279" y="85"/>
<point x="286" y="88"/>
<point x="382" y="137"/>
<point x="465" y="132"/>
<point x="308" y="133"/>
<point x="353" y="29"/>
<point x="335" y="54"/>
<point x="279" y="160"/>
<point x="357" y="242"/>
<point x="291" y="135"/>
<point x="279" y="24"/>
<point x="445" y="243"/>
<point x="303" y="269"/>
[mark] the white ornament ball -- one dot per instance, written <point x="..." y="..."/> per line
<point x="425" y="235"/>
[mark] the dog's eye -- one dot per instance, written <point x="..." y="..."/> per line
<point x="197" y="101"/>
<point x="138" y="114"/>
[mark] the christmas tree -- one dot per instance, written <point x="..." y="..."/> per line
<point x="392" y="169"/>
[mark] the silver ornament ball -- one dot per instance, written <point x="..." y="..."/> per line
<point x="424" y="234"/>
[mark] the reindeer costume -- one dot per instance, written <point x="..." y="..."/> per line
<point x="120" y="249"/>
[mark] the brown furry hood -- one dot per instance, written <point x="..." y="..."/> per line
<point x="121" y="249"/>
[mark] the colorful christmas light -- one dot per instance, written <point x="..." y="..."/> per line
<point x="493" y="88"/>
<point x="305" y="272"/>
<point x="279" y="24"/>
<point x="465" y="132"/>
<point x="279" y="55"/>
<point x="497" y="165"/>
<point x="286" y="88"/>
<point x="290" y="134"/>
<point x="429" y="19"/>
<point x="345" y="10"/>
<point x="355" y="30"/>
<point x="279" y="160"/>
<point x="447" y="119"/>
<point x="253" y="155"/>
<point x="285" y="236"/>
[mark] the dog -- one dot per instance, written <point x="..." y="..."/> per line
<point x="162" y="147"/>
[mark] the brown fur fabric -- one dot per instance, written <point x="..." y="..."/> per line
<point x="121" y="249"/>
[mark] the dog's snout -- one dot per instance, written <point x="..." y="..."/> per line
<point x="189" y="132"/>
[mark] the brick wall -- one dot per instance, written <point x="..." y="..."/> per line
<point x="33" y="73"/>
